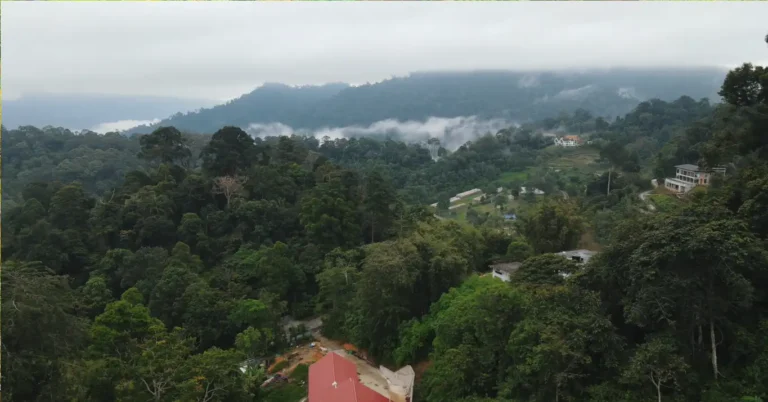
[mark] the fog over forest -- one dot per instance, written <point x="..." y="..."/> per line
<point x="452" y="132"/>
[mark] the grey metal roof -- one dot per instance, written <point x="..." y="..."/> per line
<point x="578" y="252"/>
<point x="508" y="267"/>
<point x="688" y="166"/>
<point x="585" y="255"/>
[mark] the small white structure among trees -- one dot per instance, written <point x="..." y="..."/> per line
<point x="568" y="141"/>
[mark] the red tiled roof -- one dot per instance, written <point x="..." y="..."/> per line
<point x="331" y="369"/>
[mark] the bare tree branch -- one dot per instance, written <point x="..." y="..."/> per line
<point x="229" y="186"/>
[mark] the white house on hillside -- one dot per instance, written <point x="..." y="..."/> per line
<point x="468" y="193"/>
<point x="579" y="256"/>
<point x="688" y="176"/>
<point x="536" y="191"/>
<point x="505" y="270"/>
<point x="568" y="141"/>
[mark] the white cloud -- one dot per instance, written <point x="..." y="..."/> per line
<point x="269" y="130"/>
<point x="452" y="132"/>
<point x="575" y="93"/>
<point x="121" y="125"/>
<point x="219" y="50"/>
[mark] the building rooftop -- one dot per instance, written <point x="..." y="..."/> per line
<point x="507" y="267"/>
<point x="581" y="255"/>
<point x="334" y="379"/>
<point x="688" y="166"/>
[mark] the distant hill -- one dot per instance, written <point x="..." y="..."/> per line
<point x="515" y="96"/>
<point x="269" y="103"/>
<point x="85" y="111"/>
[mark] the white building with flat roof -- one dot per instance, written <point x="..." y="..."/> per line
<point x="505" y="270"/>
<point x="688" y="176"/>
<point x="468" y="193"/>
<point x="581" y="256"/>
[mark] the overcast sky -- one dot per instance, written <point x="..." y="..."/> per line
<point x="219" y="50"/>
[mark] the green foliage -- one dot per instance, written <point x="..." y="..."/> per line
<point x="433" y="259"/>
<point x="95" y="295"/>
<point x="746" y="85"/>
<point x="492" y="94"/>
<point x="467" y="347"/>
<point x="254" y="343"/>
<point x="164" y="145"/>
<point x="285" y="393"/>
<point x="658" y="362"/>
<point x="40" y="330"/>
<point x="665" y="203"/>
<point x="279" y="366"/>
<point x="145" y="281"/>
<point x="519" y="250"/>
<point x="328" y="214"/>
<point x="552" y="226"/>
<point x="300" y="373"/>
<point x="547" y="269"/>
<point x="230" y="152"/>
<point x="564" y="336"/>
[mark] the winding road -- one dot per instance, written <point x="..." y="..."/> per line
<point x="644" y="195"/>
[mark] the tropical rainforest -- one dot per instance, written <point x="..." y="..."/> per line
<point x="508" y="95"/>
<point x="150" y="267"/>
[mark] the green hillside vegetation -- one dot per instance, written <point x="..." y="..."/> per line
<point x="515" y="96"/>
<point x="665" y="202"/>
<point x="150" y="267"/>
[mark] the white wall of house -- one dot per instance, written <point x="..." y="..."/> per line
<point x="468" y="193"/>
<point x="686" y="179"/>
<point x="536" y="191"/>
<point x="561" y="142"/>
<point x="678" y="185"/>
<point x="501" y="275"/>
<point x="687" y="175"/>
<point x="400" y="383"/>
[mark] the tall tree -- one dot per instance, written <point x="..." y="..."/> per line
<point x="328" y="214"/>
<point x="40" y="331"/>
<point x="745" y="86"/>
<point x="165" y="145"/>
<point x="552" y="226"/>
<point x="689" y="271"/>
<point x="564" y="336"/>
<point x="379" y="204"/>
<point x="230" y="152"/>
<point x="657" y="361"/>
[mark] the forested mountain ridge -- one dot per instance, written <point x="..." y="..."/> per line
<point x="155" y="276"/>
<point x="86" y="111"/>
<point x="514" y="96"/>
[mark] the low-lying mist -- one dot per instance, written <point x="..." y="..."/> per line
<point x="452" y="132"/>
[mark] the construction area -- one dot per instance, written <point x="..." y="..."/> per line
<point x="394" y="386"/>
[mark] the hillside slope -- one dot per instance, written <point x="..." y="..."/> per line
<point x="516" y="96"/>
<point x="85" y="111"/>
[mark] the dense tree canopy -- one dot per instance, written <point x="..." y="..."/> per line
<point x="152" y="268"/>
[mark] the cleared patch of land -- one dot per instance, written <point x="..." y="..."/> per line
<point x="665" y="202"/>
<point x="512" y="177"/>
<point x="568" y="158"/>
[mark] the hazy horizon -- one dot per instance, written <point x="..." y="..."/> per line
<point x="219" y="51"/>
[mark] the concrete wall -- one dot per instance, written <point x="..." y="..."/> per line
<point x="501" y="275"/>
<point x="470" y="192"/>
<point x="400" y="383"/>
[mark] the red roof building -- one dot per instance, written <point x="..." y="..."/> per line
<point x="574" y="138"/>
<point x="334" y="379"/>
